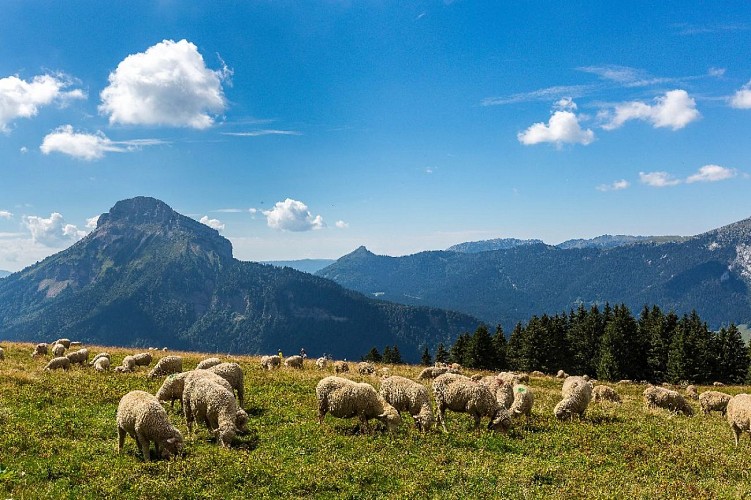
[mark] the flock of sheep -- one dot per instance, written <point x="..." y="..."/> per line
<point x="213" y="394"/>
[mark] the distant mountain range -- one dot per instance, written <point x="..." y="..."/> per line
<point x="605" y="241"/>
<point x="304" y="265"/>
<point x="710" y="272"/>
<point x="148" y="276"/>
<point x="3" y="274"/>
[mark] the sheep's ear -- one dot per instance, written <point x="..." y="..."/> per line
<point x="171" y="440"/>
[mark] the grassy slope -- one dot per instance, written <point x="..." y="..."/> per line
<point x="58" y="439"/>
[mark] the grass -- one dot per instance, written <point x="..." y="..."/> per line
<point x="58" y="440"/>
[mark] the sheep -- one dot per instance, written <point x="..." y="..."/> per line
<point x="523" y="402"/>
<point x="208" y="363"/>
<point x="172" y="388"/>
<point x="140" y="415"/>
<point x="738" y="414"/>
<point x="167" y="366"/>
<point x="718" y="384"/>
<point x="659" y="397"/>
<point x="270" y="362"/>
<point x="102" y="364"/>
<point x="2" y="354"/>
<point x="214" y="404"/>
<point x="39" y="350"/>
<point x="433" y="372"/>
<point x="129" y="364"/>
<point x="476" y="377"/>
<point x="561" y="374"/>
<point x="577" y="393"/>
<point x="57" y="363"/>
<point x="58" y="350"/>
<point x="294" y="362"/>
<point x="537" y="373"/>
<point x="385" y="372"/>
<point x="344" y="398"/>
<point x="365" y="368"/>
<point x="321" y="363"/>
<point x="232" y="373"/>
<point x="501" y="388"/>
<point x="407" y="395"/>
<point x="341" y="366"/>
<point x="63" y="342"/>
<point x="625" y="381"/>
<point x="465" y="396"/>
<point x="714" y="401"/>
<point x="456" y="367"/>
<point x="100" y="355"/>
<point x="602" y="393"/>
<point x="78" y="357"/>
<point x="122" y="369"/>
<point x="142" y="359"/>
<point x="76" y="343"/>
<point x="692" y="393"/>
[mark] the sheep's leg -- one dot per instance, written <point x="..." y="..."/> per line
<point x="241" y="394"/>
<point x="121" y="439"/>
<point x="736" y="433"/>
<point x="321" y="414"/>
<point x="188" y="414"/>
<point x="442" y="417"/>
<point x="476" y="417"/>
<point x="144" y="446"/>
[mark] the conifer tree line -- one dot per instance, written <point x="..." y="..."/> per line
<point x="610" y="344"/>
<point x="391" y="355"/>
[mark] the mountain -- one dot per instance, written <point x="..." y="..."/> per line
<point x="710" y="272"/>
<point x="609" y="241"/>
<point x="148" y="276"/>
<point x="488" y="245"/>
<point x="3" y="274"/>
<point x="304" y="265"/>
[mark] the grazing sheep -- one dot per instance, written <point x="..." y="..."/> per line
<point x="524" y="400"/>
<point x="58" y="350"/>
<point x="294" y="362"/>
<point x="2" y="354"/>
<point x="39" y="350"/>
<point x="561" y="374"/>
<point x="100" y="355"/>
<point x="167" y="366"/>
<point x="739" y="415"/>
<point x="439" y="364"/>
<point x="129" y="363"/>
<point x="80" y="356"/>
<point x="718" y="384"/>
<point x="232" y="373"/>
<point x="365" y="368"/>
<point x="142" y="359"/>
<point x="385" y="372"/>
<point x="410" y="396"/>
<point x="209" y="402"/>
<point x="172" y="388"/>
<point x="76" y="343"/>
<point x="625" y="381"/>
<point x="465" y="396"/>
<point x="57" y="363"/>
<point x="659" y="397"/>
<point x="341" y="366"/>
<point x="577" y="393"/>
<point x="603" y="393"/>
<point x="714" y="401"/>
<point x="102" y="364"/>
<point x="64" y="342"/>
<point x="692" y="393"/>
<point x="208" y="363"/>
<point x="537" y="373"/>
<point x="344" y="398"/>
<point x="433" y="372"/>
<point x="140" y="415"/>
<point x="503" y="389"/>
<point x="322" y="363"/>
<point x="270" y="362"/>
<point x="122" y="369"/>
<point x="456" y="367"/>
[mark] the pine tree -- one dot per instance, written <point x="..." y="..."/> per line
<point x="690" y="353"/>
<point x="441" y="354"/>
<point x="481" y="350"/>
<point x="426" y="359"/>
<point x="500" y="346"/>
<point x="388" y="355"/>
<point x="515" y="348"/>
<point x="460" y="349"/>
<point x="732" y="356"/>
<point x="621" y="349"/>
<point x="396" y="356"/>
<point x="373" y="356"/>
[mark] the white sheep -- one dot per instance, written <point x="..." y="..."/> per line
<point x="140" y="415"/>
<point x="294" y="362"/>
<point x="167" y="366"/>
<point x="523" y="402"/>
<point x="142" y="359"/>
<point x="577" y="393"/>
<point x="232" y="373"/>
<point x="39" y="350"/>
<point x="76" y="343"/>
<point x="129" y="364"/>
<point x="407" y="395"/>
<point x="537" y="373"/>
<point x="466" y="396"/>
<point x="341" y="366"/>
<point x="57" y="363"/>
<point x="64" y="342"/>
<point x="602" y="393"/>
<point x="366" y="368"/>
<point x="213" y="404"/>
<point x="322" y="363"/>
<point x="561" y="374"/>
<point x="433" y="372"/>
<point x="344" y="398"/>
<point x="102" y="364"/>
<point x="714" y="401"/>
<point x="100" y="355"/>
<point x="692" y="393"/>
<point x="738" y="414"/>
<point x="503" y="389"/>
<point x="58" y="350"/>
<point x="78" y="357"/>
<point x="208" y="363"/>
<point x="122" y="369"/>
<point x="659" y="397"/>
<point x="173" y="386"/>
<point x="270" y="362"/>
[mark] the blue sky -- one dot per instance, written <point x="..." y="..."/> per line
<point x="303" y="129"/>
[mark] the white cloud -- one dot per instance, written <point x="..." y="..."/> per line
<point x="229" y="210"/>
<point x="716" y="72"/>
<point x="91" y="222"/>
<point x="614" y="186"/>
<point x="88" y="146"/>
<point x="22" y="99"/>
<point x="52" y="232"/>
<point x="712" y="173"/>
<point x="562" y="128"/>
<point x="658" y="179"/>
<point x="742" y="98"/>
<point x="624" y="75"/>
<point x="24" y="150"/>
<point x="259" y="133"/>
<point x="169" y="84"/>
<point x="212" y="223"/>
<point x="675" y="110"/>
<point x="4" y="214"/>
<point x="341" y="224"/>
<point x="545" y="94"/>
<point x="292" y="215"/>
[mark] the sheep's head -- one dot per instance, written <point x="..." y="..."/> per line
<point x="390" y="417"/>
<point x="225" y="434"/>
<point x="171" y="447"/>
<point x="241" y="420"/>
<point x="501" y="420"/>
<point x="425" y="418"/>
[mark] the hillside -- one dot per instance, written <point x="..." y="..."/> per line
<point x="710" y="272"/>
<point x="304" y="265"/>
<point x="150" y="276"/>
<point x="3" y="274"/>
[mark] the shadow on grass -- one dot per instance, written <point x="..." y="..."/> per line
<point x="255" y="411"/>
<point x="246" y="442"/>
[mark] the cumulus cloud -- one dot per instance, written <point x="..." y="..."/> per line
<point x="614" y="186"/>
<point x="88" y="146"/>
<point x="4" y="214"/>
<point x="212" y="223"/>
<point x="712" y="173"/>
<point x="292" y="215"/>
<point x="169" y="84"/>
<point x="658" y="179"/>
<point x="52" y="232"/>
<point x="91" y="222"/>
<point x="341" y="224"/>
<point x="562" y="128"/>
<point x="742" y="98"/>
<point x="22" y="99"/>
<point x="675" y="110"/>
